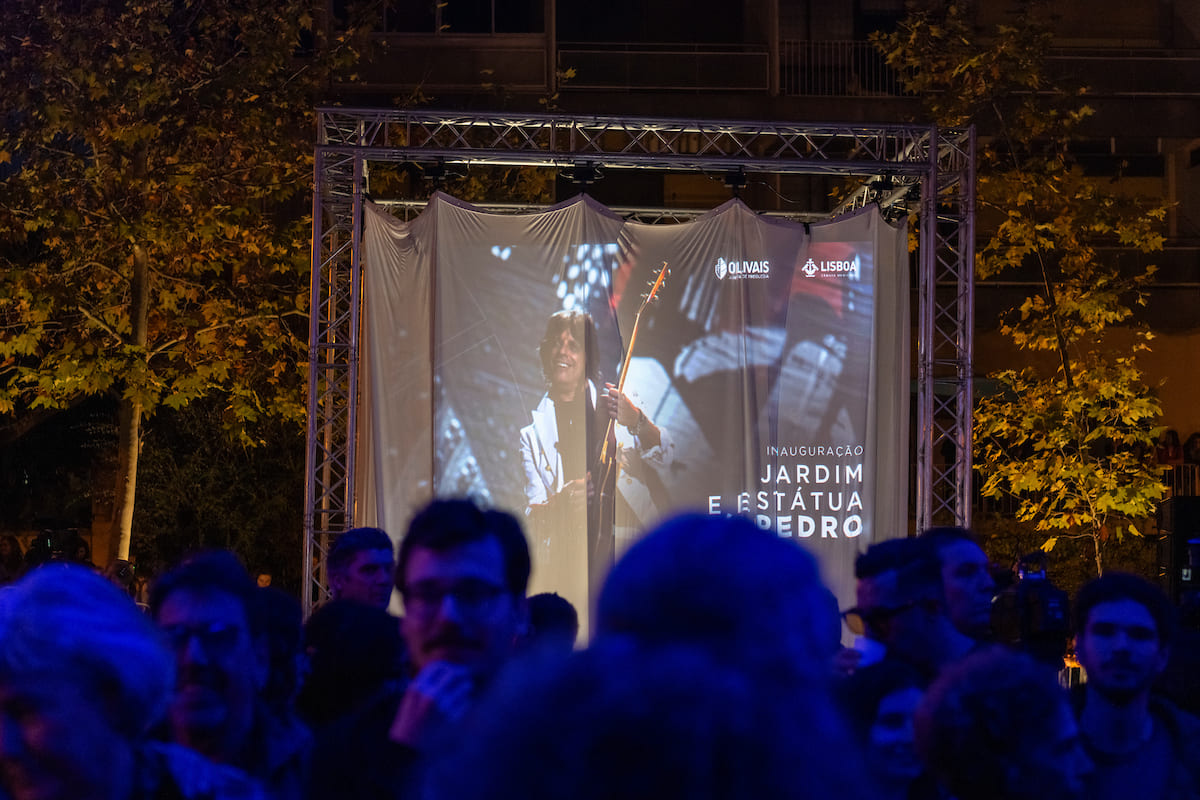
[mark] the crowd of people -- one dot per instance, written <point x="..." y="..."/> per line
<point x="716" y="670"/>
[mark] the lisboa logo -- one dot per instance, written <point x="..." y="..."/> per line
<point x="722" y="269"/>
<point x="832" y="268"/>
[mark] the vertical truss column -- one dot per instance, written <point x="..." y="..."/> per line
<point x="945" y="338"/>
<point x="333" y="355"/>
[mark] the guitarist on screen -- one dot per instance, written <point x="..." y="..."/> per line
<point x="562" y="444"/>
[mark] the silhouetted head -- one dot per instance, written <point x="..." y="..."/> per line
<point x="360" y="567"/>
<point x="996" y="726"/>
<point x="83" y="676"/>
<point x="721" y="582"/>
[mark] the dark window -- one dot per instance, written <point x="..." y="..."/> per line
<point x="465" y="16"/>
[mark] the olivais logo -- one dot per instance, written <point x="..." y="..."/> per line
<point x="831" y="268"/>
<point x="736" y="270"/>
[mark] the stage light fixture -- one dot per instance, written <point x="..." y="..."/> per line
<point x="736" y="180"/>
<point x="583" y="174"/>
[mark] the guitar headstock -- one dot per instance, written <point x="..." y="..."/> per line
<point x="656" y="285"/>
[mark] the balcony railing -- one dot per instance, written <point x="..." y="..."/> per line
<point x="835" y="69"/>
<point x="1183" y="480"/>
<point x="666" y="67"/>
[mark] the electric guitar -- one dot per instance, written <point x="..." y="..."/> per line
<point x="605" y="473"/>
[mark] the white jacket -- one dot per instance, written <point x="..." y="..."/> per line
<point x="544" y="468"/>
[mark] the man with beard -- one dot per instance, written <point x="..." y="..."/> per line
<point x="1141" y="745"/>
<point x="207" y="608"/>
<point x="463" y="574"/>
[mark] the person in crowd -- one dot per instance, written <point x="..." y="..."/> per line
<point x="1169" y="450"/>
<point x="966" y="579"/>
<point x="908" y="611"/>
<point x="81" y="552"/>
<point x="360" y="567"/>
<point x="639" y="720"/>
<point x="553" y="623"/>
<point x="1141" y="744"/>
<point x="462" y="574"/>
<point x="12" y="559"/>
<point x="724" y="583"/>
<point x="356" y="659"/>
<point x="209" y="610"/>
<point x="997" y="726"/>
<point x="282" y="626"/>
<point x="1178" y="681"/>
<point x="875" y="576"/>
<point x="84" y="676"/>
<point x="880" y="701"/>
<point x="841" y="660"/>
<point x="121" y="572"/>
<point x="1191" y="449"/>
<point x="722" y="587"/>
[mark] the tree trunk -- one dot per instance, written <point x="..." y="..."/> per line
<point x="130" y="415"/>
<point x="1099" y="562"/>
<point x="1052" y="303"/>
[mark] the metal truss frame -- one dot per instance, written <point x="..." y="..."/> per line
<point x="897" y="163"/>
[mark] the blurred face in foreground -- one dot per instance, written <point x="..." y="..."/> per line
<point x="1054" y="763"/>
<point x="458" y="609"/>
<point x="891" y="754"/>
<point x="57" y="742"/>
<point x="218" y="670"/>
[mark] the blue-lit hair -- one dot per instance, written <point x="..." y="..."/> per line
<point x="66" y="621"/>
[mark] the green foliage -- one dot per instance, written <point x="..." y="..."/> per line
<point x="181" y="129"/>
<point x="1072" y="561"/>
<point x="201" y="487"/>
<point x="1071" y="442"/>
<point x="175" y="136"/>
<point x="1078" y="458"/>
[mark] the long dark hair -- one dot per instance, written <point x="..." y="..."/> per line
<point x="583" y="329"/>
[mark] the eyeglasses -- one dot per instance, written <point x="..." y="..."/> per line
<point x="858" y="620"/>
<point x="472" y="597"/>
<point x="216" y="638"/>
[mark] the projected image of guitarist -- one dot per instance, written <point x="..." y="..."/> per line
<point x="567" y="488"/>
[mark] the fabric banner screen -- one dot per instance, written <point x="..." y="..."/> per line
<point x="769" y="377"/>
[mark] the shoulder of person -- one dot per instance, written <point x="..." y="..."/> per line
<point x="168" y="767"/>
<point x="288" y="739"/>
<point x="1180" y="723"/>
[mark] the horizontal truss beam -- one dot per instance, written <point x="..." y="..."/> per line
<point x="629" y="143"/>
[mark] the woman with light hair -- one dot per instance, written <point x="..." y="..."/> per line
<point x="84" y="675"/>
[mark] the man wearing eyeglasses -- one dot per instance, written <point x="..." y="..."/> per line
<point x="208" y="609"/>
<point x="905" y="608"/>
<point x="462" y="573"/>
